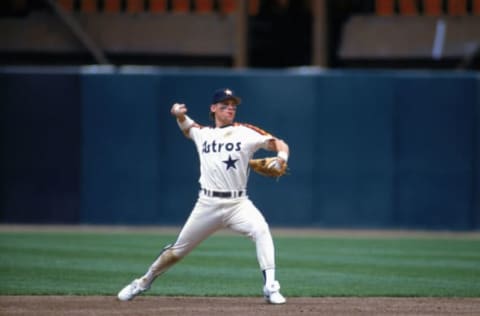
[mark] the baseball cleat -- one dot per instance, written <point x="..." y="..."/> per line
<point x="131" y="290"/>
<point x="272" y="294"/>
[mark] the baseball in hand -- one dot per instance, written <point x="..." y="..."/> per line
<point x="178" y="109"/>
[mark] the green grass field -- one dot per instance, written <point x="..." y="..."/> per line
<point x="100" y="263"/>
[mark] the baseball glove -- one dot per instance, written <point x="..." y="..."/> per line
<point x="269" y="166"/>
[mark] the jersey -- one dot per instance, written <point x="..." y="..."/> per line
<point x="224" y="154"/>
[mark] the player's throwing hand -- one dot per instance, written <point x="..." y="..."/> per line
<point x="178" y="109"/>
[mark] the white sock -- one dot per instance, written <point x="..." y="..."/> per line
<point x="269" y="275"/>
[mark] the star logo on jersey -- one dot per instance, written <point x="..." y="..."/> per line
<point x="230" y="162"/>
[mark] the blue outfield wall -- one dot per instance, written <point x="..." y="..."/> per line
<point x="369" y="149"/>
<point x="40" y="134"/>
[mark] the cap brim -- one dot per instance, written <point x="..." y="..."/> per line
<point x="236" y="99"/>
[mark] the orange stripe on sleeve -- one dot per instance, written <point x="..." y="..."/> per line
<point x="255" y="128"/>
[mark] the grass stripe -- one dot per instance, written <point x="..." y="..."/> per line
<point x="100" y="263"/>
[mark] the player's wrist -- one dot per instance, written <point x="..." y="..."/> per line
<point x="186" y="123"/>
<point x="283" y="155"/>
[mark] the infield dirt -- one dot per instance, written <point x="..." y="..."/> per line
<point x="214" y="306"/>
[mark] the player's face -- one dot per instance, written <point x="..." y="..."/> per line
<point x="225" y="112"/>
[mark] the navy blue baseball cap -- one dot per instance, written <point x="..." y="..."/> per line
<point x="221" y="95"/>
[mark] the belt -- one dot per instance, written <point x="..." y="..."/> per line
<point x="223" y="194"/>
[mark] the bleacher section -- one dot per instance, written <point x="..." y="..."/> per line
<point x="201" y="30"/>
<point x="242" y="33"/>
<point x="412" y="33"/>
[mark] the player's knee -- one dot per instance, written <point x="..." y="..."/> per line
<point x="261" y="229"/>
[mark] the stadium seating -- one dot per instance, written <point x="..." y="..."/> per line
<point x="432" y="7"/>
<point x="408" y="7"/>
<point x="203" y="6"/>
<point x="457" y="7"/>
<point x="88" y="6"/>
<point x="427" y="7"/>
<point x="135" y="6"/>
<point x="476" y="7"/>
<point x="111" y="6"/>
<point x="384" y="7"/>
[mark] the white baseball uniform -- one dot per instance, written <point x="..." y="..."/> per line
<point x="224" y="153"/>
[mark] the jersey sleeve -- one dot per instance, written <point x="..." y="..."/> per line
<point x="260" y="136"/>
<point x="193" y="132"/>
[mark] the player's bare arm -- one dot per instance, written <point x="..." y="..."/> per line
<point x="184" y="122"/>
<point x="282" y="149"/>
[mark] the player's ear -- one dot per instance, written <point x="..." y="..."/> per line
<point x="212" y="112"/>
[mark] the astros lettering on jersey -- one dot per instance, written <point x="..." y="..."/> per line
<point x="224" y="154"/>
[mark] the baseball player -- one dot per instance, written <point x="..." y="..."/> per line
<point x="224" y="151"/>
